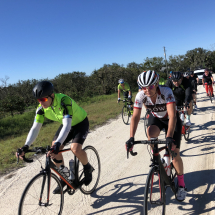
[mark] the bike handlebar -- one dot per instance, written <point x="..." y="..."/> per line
<point x="38" y="150"/>
<point x="150" y="142"/>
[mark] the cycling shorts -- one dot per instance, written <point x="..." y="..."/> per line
<point x="77" y="134"/>
<point x="163" y="124"/>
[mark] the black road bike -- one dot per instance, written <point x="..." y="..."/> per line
<point x="38" y="197"/>
<point x="157" y="180"/>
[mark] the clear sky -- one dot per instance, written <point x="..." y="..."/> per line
<point x="44" y="38"/>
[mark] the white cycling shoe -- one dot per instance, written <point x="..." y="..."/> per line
<point x="188" y="123"/>
<point x="181" y="193"/>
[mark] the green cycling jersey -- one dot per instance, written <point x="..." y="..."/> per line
<point x="62" y="106"/>
<point x="126" y="87"/>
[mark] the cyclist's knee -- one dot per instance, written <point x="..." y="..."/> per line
<point x="153" y="131"/>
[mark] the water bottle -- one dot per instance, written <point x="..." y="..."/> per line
<point x="167" y="161"/>
<point x="65" y="170"/>
<point x="164" y="163"/>
<point x="182" y="116"/>
<point x="72" y="169"/>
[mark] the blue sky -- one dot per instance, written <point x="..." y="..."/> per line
<point x="44" y="38"/>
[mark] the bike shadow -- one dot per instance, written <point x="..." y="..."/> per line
<point x="129" y="195"/>
<point x="200" y="185"/>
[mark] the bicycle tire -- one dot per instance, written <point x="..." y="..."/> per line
<point x="153" y="204"/>
<point x="29" y="201"/>
<point x="187" y="132"/>
<point x="146" y="123"/>
<point x="94" y="160"/>
<point x="125" y="115"/>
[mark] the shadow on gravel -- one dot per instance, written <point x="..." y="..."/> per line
<point x="129" y="194"/>
<point x="200" y="186"/>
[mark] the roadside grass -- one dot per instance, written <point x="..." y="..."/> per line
<point x="99" y="109"/>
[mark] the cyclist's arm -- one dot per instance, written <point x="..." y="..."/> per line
<point x="134" y="121"/>
<point x="212" y="79"/>
<point x="67" y="121"/>
<point x="33" y="133"/>
<point x="172" y="119"/>
<point x="118" y="93"/>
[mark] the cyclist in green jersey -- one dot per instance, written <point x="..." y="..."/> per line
<point x="74" y="126"/>
<point x="124" y="86"/>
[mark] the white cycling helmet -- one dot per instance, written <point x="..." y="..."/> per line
<point x="121" y="81"/>
<point x="148" y="78"/>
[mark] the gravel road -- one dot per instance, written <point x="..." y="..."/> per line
<point x="121" y="186"/>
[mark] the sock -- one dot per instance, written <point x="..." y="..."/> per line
<point x="181" y="181"/>
<point x="188" y="117"/>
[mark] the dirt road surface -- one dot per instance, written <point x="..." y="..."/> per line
<point x="122" y="182"/>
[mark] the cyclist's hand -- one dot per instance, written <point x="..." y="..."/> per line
<point x="118" y="100"/>
<point x="54" y="150"/>
<point x="129" y="144"/>
<point x="22" y="151"/>
<point x="170" y="141"/>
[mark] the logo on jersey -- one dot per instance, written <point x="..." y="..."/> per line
<point x="137" y="102"/>
<point x="170" y="98"/>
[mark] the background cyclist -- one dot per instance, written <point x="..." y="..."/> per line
<point x="194" y="83"/>
<point x="182" y="91"/>
<point x="74" y="126"/>
<point x="160" y="100"/>
<point x="124" y="86"/>
<point x="207" y="81"/>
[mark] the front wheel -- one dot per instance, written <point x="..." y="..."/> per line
<point x="154" y="195"/>
<point x="94" y="160"/>
<point x="35" y="195"/>
<point x="125" y="115"/>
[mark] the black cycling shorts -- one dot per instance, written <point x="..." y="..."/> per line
<point x="77" y="134"/>
<point x="163" y="124"/>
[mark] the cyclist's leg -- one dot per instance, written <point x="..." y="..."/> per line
<point x="206" y="88"/>
<point x="178" y="163"/>
<point x="80" y="134"/>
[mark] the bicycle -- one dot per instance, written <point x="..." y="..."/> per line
<point x="127" y="111"/>
<point x="209" y="92"/>
<point x="157" y="180"/>
<point x="38" y="194"/>
<point x="185" y="131"/>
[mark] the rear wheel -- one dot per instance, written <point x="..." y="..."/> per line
<point x="154" y="195"/>
<point x="187" y="132"/>
<point x="125" y="115"/>
<point x="94" y="160"/>
<point x="34" y="197"/>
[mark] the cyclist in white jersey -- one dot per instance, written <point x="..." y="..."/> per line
<point x="160" y="100"/>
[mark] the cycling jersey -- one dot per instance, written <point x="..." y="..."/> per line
<point x="183" y="92"/>
<point x="207" y="79"/>
<point x="164" y="97"/>
<point x="63" y="110"/>
<point x="193" y="81"/>
<point x="126" y="87"/>
<point x="62" y="105"/>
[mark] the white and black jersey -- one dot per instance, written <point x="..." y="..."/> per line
<point x="164" y="96"/>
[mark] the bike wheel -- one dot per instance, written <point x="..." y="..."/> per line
<point x="125" y="115"/>
<point x="94" y="160"/>
<point x="146" y="123"/>
<point x="30" y="200"/>
<point x="187" y="132"/>
<point x="154" y="195"/>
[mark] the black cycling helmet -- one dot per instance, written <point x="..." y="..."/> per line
<point x="43" y="89"/>
<point x="191" y="72"/>
<point x="176" y="76"/>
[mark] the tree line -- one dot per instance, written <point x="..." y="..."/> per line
<point x="16" y="98"/>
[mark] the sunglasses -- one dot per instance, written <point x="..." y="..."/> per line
<point x="45" y="99"/>
<point x="150" y="87"/>
<point x="176" y="80"/>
